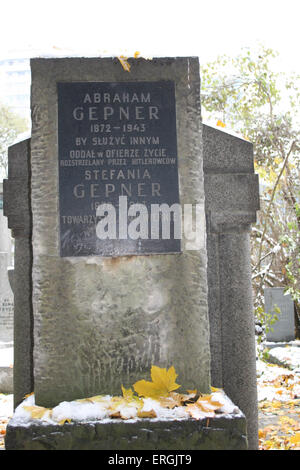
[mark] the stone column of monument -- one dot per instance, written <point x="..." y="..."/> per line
<point x="17" y="210"/>
<point x="231" y="200"/>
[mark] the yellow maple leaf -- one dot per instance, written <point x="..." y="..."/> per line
<point x="131" y="399"/>
<point x="38" y="412"/>
<point x="163" y="382"/>
<point x="137" y="54"/>
<point x="262" y="433"/>
<point x="220" y="123"/>
<point x="295" y="439"/>
<point x="127" y="393"/>
<point x="124" y="63"/>
<point x="276" y="404"/>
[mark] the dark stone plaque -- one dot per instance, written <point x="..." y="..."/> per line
<point x="117" y="146"/>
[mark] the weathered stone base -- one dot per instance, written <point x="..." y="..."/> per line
<point x="220" y="433"/>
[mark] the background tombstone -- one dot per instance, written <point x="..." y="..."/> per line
<point x="6" y="328"/>
<point x="284" y="327"/>
<point x="6" y="294"/>
<point x="17" y="209"/>
<point x="6" y="303"/>
<point x="5" y="236"/>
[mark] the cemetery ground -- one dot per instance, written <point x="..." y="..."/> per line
<point x="278" y="388"/>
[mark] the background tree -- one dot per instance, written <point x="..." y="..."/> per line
<point x="11" y="125"/>
<point x="247" y="95"/>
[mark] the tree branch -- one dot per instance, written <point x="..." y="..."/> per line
<point x="271" y="202"/>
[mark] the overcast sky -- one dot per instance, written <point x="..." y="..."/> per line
<point x="153" y="27"/>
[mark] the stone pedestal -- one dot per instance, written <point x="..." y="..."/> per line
<point x="216" y="434"/>
<point x="6" y="302"/>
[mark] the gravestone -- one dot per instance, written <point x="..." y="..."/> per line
<point x="103" y="312"/>
<point x="101" y="322"/>
<point x="6" y="328"/>
<point x="5" y="236"/>
<point x="6" y="295"/>
<point x="6" y="303"/>
<point x="17" y="209"/>
<point x="284" y="327"/>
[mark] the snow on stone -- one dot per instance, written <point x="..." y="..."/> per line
<point x="100" y="410"/>
<point x="6" y="405"/>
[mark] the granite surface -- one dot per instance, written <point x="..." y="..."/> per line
<point x="100" y="323"/>
<point x="214" y="434"/>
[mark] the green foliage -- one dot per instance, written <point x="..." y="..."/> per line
<point x="266" y="318"/>
<point x="11" y="125"/>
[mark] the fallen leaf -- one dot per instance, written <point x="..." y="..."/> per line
<point x="163" y="382"/>
<point x="189" y="398"/>
<point x="124" y="63"/>
<point x="147" y="414"/>
<point x="207" y="403"/>
<point x="38" y="412"/>
<point x="94" y="399"/>
<point x="127" y="393"/>
<point x="196" y="413"/>
<point x="63" y="421"/>
<point x="295" y="439"/>
<point x="171" y="401"/>
<point x="116" y="415"/>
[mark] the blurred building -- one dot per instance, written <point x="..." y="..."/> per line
<point x="15" y="82"/>
<point x="15" y="77"/>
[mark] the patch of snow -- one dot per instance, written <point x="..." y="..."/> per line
<point x="6" y="357"/>
<point x="6" y="405"/>
<point x="289" y="355"/>
<point x="82" y="411"/>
